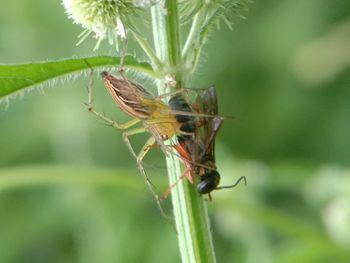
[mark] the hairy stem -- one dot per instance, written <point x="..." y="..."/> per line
<point x="191" y="35"/>
<point x="156" y="63"/>
<point x="192" y="223"/>
<point x="173" y="40"/>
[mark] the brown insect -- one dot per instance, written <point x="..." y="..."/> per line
<point x="156" y="117"/>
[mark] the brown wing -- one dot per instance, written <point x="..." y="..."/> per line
<point x="131" y="97"/>
<point x="211" y="125"/>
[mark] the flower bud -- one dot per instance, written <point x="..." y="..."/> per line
<point x="104" y="18"/>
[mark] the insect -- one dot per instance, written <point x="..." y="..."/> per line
<point x="156" y="117"/>
<point x="198" y="152"/>
<point x="163" y="122"/>
<point x="178" y="104"/>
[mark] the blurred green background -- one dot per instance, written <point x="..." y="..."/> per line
<point x="70" y="190"/>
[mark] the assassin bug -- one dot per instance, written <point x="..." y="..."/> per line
<point x="198" y="152"/>
<point x="155" y="116"/>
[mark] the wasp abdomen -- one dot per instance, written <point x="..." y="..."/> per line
<point x="188" y="123"/>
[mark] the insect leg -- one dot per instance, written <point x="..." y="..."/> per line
<point x="141" y="155"/>
<point x="168" y="94"/>
<point x="171" y="187"/>
<point x="91" y="109"/>
<point x="209" y="197"/>
<point x="139" y="159"/>
<point x="126" y="135"/>
<point x="148" y="145"/>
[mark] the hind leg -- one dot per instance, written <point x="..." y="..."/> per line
<point x="139" y="158"/>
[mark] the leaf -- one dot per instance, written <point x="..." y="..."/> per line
<point x="15" y="78"/>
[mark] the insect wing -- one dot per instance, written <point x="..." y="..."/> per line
<point x="130" y="97"/>
<point x="209" y="104"/>
<point x="210" y="101"/>
<point x="210" y="139"/>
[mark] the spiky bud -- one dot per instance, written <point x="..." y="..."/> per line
<point x="104" y="18"/>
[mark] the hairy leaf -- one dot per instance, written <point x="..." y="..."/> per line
<point x="15" y="78"/>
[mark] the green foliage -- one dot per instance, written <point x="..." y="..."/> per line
<point x="225" y="10"/>
<point x="14" y="78"/>
<point x="220" y="9"/>
<point x="289" y="137"/>
<point x="205" y="17"/>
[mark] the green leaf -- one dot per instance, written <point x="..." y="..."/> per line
<point x="15" y="78"/>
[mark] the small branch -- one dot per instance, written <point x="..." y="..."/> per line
<point x="156" y="63"/>
<point x="191" y="35"/>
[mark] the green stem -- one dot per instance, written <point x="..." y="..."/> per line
<point x="159" y="34"/>
<point x="191" y="35"/>
<point x="156" y="63"/>
<point x="191" y="217"/>
<point x="173" y="39"/>
<point x="190" y="50"/>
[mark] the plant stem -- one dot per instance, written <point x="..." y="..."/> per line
<point x="191" y="217"/>
<point x="191" y="35"/>
<point x="159" y="34"/>
<point x="173" y="40"/>
<point x="157" y="65"/>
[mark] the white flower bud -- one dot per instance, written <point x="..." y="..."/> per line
<point x="105" y="18"/>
